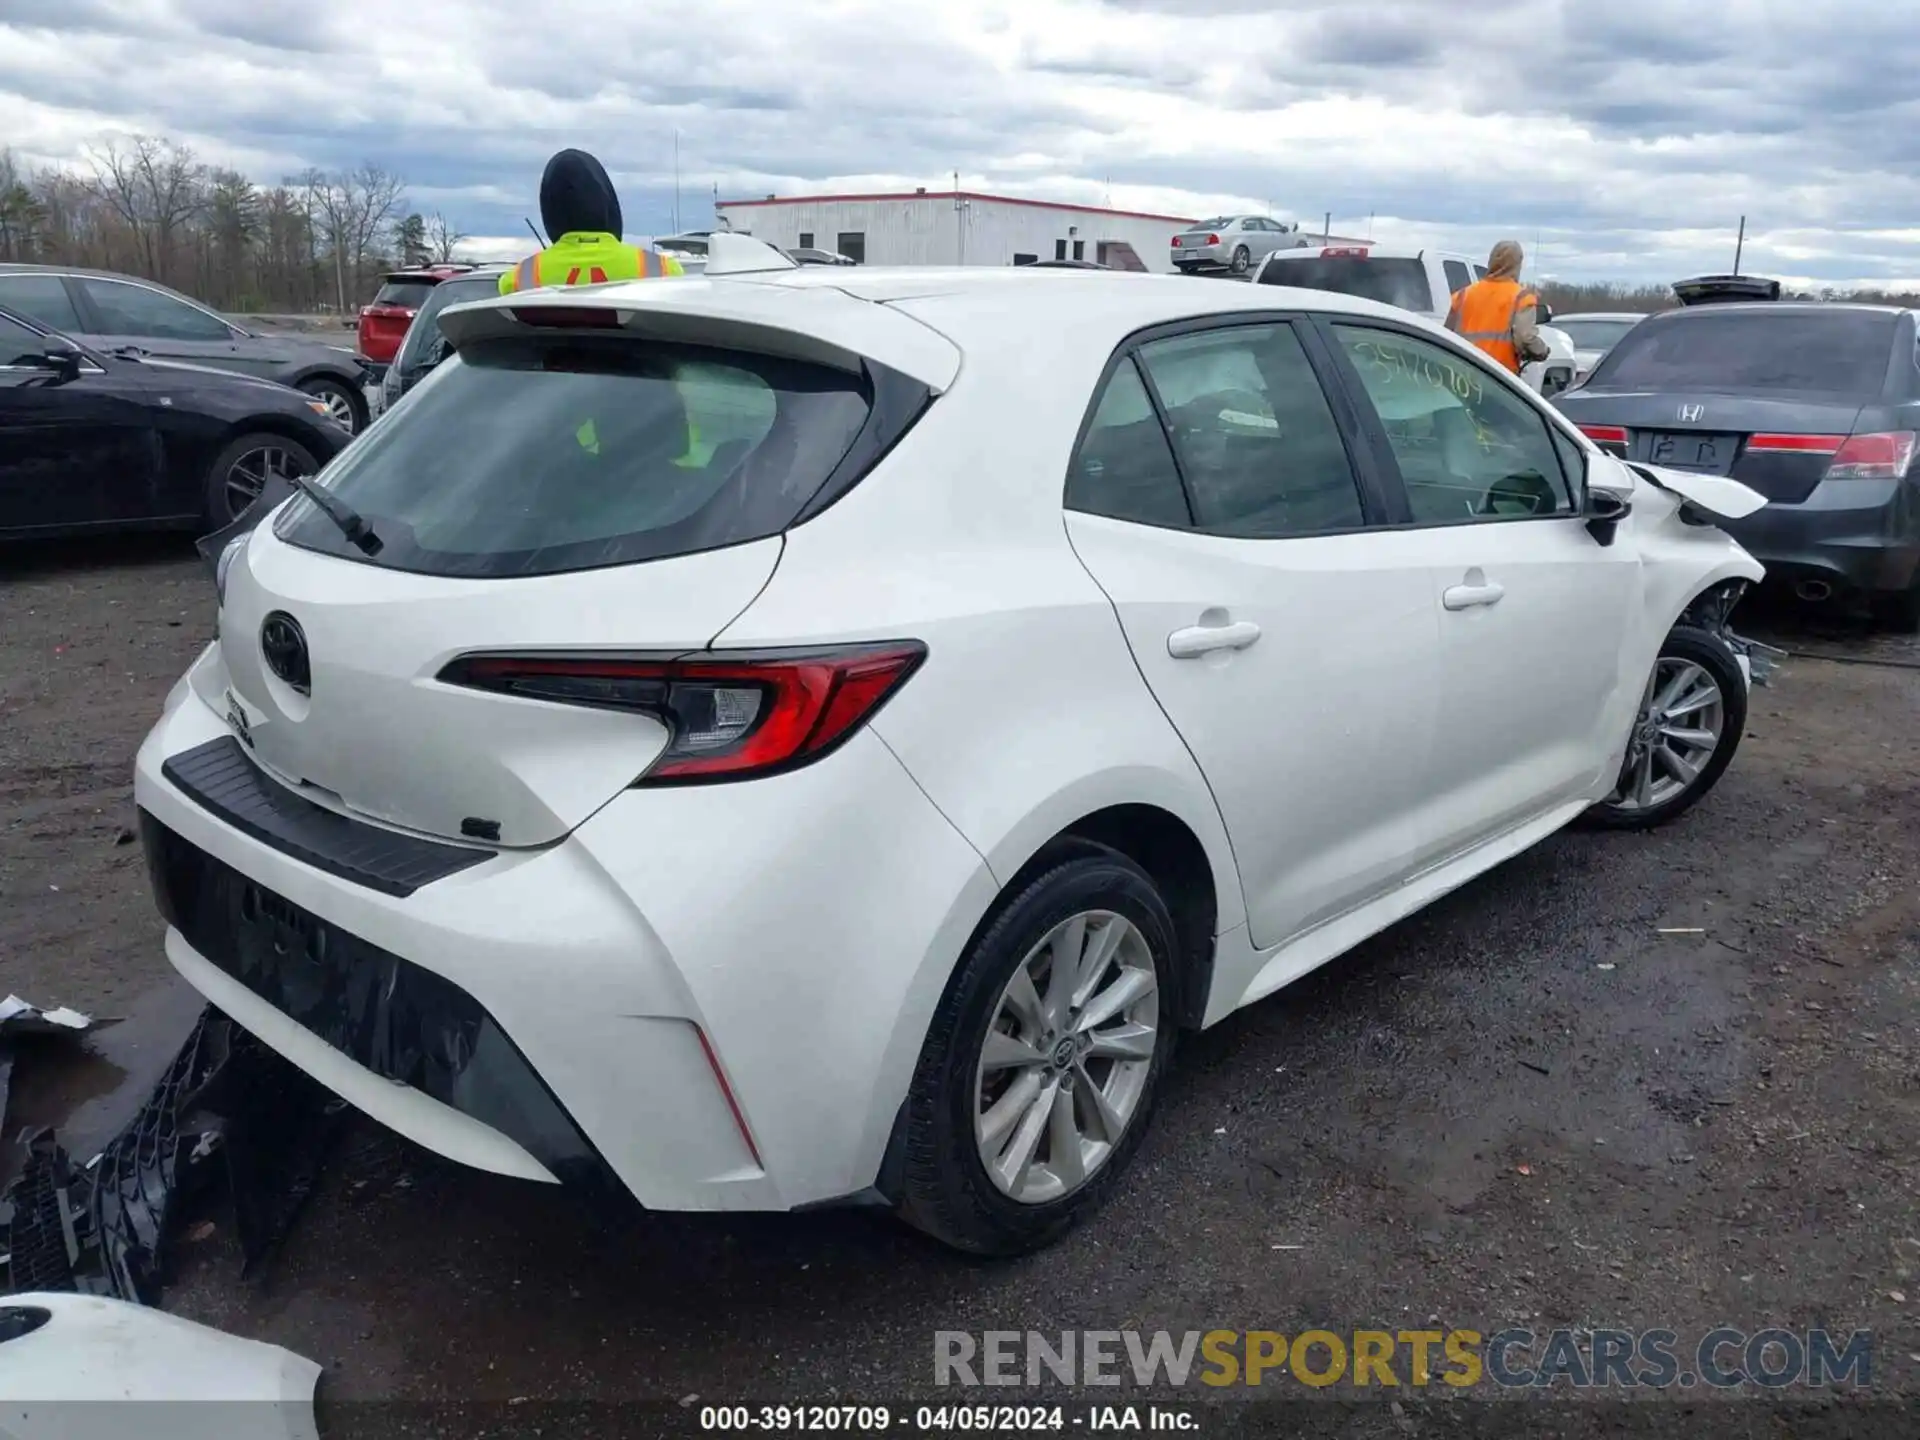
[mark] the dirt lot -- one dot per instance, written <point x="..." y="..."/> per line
<point x="1528" y="1106"/>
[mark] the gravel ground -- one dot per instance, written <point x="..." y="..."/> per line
<point x="1526" y="1106"/>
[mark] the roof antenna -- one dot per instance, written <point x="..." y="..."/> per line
<point x="536" y="234"/>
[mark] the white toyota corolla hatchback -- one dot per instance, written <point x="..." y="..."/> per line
<point x="814" y="736"/>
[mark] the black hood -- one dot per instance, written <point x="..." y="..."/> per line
<point x="577" y="194"/>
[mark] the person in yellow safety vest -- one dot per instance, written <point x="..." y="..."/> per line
<point x="579" y="205"/>
<point x="1497" y="313"/>
<point x="580" y="209"/>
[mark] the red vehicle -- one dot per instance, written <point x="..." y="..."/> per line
<point x="383" y="324"/>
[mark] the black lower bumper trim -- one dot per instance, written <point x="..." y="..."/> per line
<point x="218" y="777"/>
<point x="393" y="1017"/>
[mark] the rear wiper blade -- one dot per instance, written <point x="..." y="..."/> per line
<point x="352" y="523"/>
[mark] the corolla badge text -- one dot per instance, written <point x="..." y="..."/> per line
<point x="237" y="718"/>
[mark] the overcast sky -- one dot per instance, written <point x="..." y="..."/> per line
<point x="1626" y="138"/>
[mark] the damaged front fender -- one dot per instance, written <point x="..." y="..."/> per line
<point x="1717" y="495"/>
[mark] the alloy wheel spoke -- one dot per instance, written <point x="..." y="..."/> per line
<point x="1005" y="1052"/>
<point x="1695" y="700"/>
<point x="1024" y="1001"/>
<point x="1108" y="1120"/>
<point x="1682" y="769"/>
<point x="1129" y="986"/>
<point x="1064" y="1155"/>
<point x="1017" y="1159"/>
<point x="1101" y="947"/>
<point x="1069" y="942"/>
<point x="1122" y="1042"/>
<point x="1698" y="739"/>
<point x="1643" y="780"/>
<point x="1005" y="1113"/>
<point x="1675" y="688"/>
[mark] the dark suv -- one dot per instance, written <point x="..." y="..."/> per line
<point x="422" y="347"/>
<point x="109" y="312"/>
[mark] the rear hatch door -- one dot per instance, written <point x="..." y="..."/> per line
<point x="542" y="492"/>
<point x="1763" y="394"/>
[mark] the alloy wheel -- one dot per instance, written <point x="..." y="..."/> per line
<point x="1067" y="1057"/>
<point x="247" y="477"/>
<point x="1675" y="735"/>
<point x="339" y="408"/>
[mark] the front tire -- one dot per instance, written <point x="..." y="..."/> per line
<point x="1042" y="1065"/>
<point x="241" y="471"/>
<point x="1689" y="724"/>
<point x="348" y="408"/>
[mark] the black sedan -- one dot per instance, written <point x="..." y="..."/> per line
<point x="94" y="441"/>
<point x="1816" y="406"/>
<point x="108" y="311"/>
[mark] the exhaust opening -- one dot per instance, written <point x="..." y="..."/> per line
<point x="1814" y="592"/>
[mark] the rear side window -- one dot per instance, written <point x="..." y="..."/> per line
<point x="19" y="346"/>
<point x="148" y="314"/>
<point x="43" y="298"/>
<point x="410" y="293"/>
<point x="1124" y="467"/>
<point x="534" y="456"/>
<point x="1815" y="350"/>
<point x="1257" y="442"/>
<point x="1391" y="282"/>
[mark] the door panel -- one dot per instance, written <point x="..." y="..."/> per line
<point x="71" y="452"/>
<point x="1299" y="664"/>
<point x="1533" y="611"/>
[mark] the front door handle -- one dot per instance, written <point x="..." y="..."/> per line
<point x="1477" y="591"/>
<point x="1197" y="640"/>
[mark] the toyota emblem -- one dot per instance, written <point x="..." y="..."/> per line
<point x="283" y="644"/>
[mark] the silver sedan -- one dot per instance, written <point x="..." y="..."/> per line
<point x="1231" y="242"/>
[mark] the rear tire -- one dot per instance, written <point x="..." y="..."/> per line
<point x="1687" y="649"/>
<point x="1241" y="260"/>
<point x="239" y="472"/>
<point x="965" y="1111"/>
<point x="1898" y="610"/>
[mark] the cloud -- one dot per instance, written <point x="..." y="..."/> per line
<point x="1619" y="141"/>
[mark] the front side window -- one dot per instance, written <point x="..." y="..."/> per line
<point x="1257" y="443"/>
<point x="137" y="311"/>
<point x="1468" y="447"/>
<point x="43" y="298"/>
<point x="533" y="456"/>
<point x="1457" y="277"/>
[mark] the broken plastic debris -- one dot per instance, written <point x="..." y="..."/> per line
<point x="17" y="1017"/>
<point x="1897" y="1297"/>
<point x="1524" y="1169"/>
<point x="167" y="1376"/>
<point x="1604" y="965"/>
<point x="1682" y="930"/>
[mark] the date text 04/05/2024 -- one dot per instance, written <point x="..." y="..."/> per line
<point x="944" y="1419"/>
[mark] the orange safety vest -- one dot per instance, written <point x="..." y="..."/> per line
<point x="1483" y="314"/>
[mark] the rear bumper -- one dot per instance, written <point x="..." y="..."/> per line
<point x="1856" y="535"/>
<point x="588" y="1009"/>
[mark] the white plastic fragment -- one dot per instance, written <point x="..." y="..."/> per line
<point x="17" y="1017"/>
<point x="84" y="1367"/>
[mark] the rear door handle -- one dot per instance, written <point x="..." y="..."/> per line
<point x="1465" y="597"/>
<point x="1198" y="640"/>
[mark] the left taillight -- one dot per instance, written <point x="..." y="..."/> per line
<point x="730" y="715"/>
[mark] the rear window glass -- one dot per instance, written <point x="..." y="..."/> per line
<point x="530" y="456"/>
<point x="409" y="293"/>
<point x="1391" y="282"/>
<point x="1815" y="350"/>
<point x="1594" y="334"/>
<point x="1218" y="222"/>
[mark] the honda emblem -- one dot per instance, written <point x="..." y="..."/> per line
<point x="1691" y="413"/>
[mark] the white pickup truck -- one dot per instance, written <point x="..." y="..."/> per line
<point x="1422" y="281"/>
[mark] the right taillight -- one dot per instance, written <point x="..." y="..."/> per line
<point x="730" y="715"/>
<point x="1605" y="434"/>
<point x="1883" y="455"/>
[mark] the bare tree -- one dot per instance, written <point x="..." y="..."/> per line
<point x="372" y="197"/>
<point x="154" y="186"/>
<point x="21" y="213"/>
<point x="443" y="240"/>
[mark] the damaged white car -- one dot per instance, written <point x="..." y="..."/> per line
<point x="796" y="737"/>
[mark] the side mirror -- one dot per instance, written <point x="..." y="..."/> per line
<point x="61" y="358"/>
<point x="1603" y="512"/>
<point x="1542" y="313"/>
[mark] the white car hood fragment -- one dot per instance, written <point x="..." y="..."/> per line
<point x="1716" y="494"/>
<point x="83" y="1367"/>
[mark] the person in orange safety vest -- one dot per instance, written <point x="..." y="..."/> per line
<point x="1497" y="313"/>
